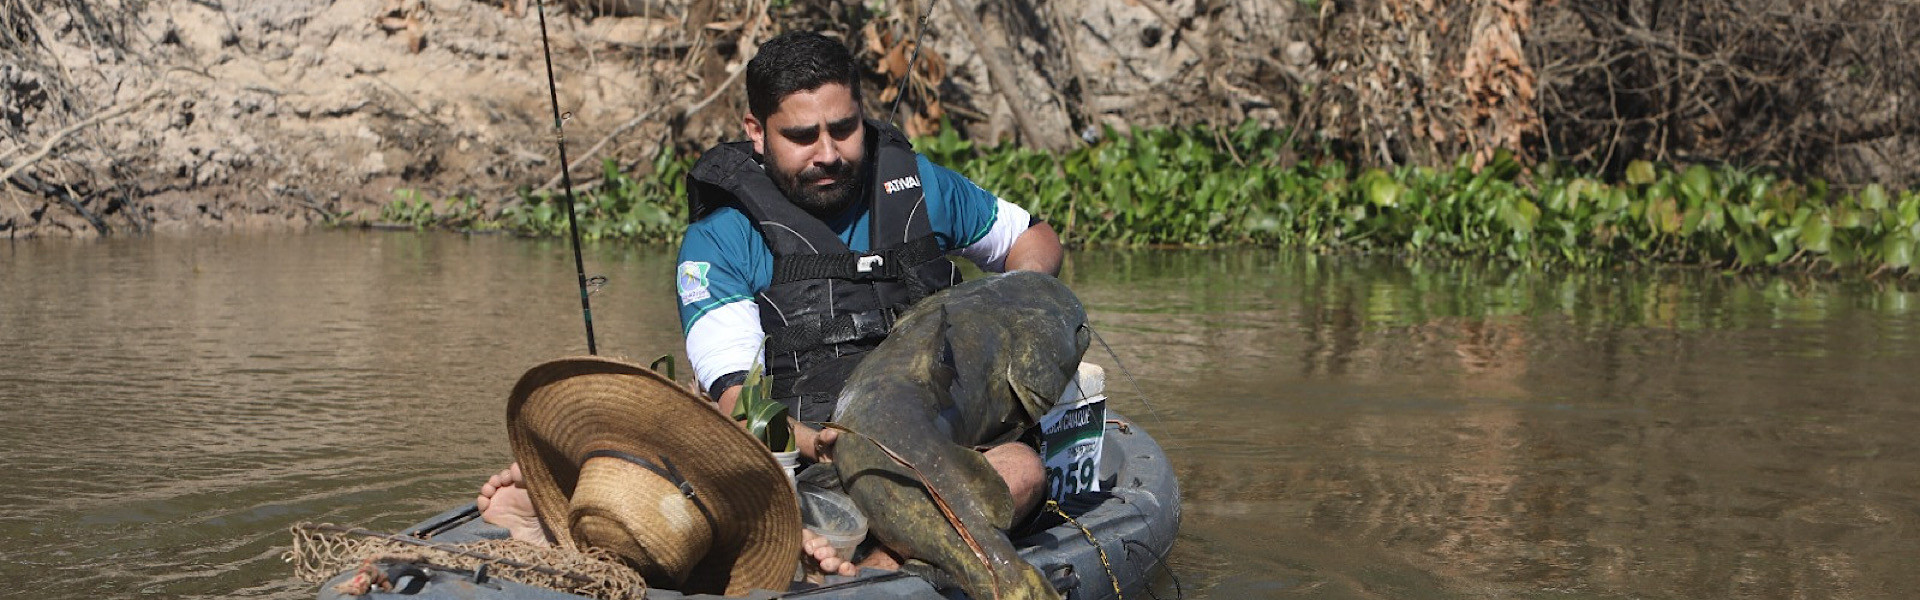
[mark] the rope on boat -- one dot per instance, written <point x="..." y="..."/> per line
<point x="1104" y="563"/>
<point x="322" y="551"/>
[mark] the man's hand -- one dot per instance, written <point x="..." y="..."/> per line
<point x="816" y="446"/>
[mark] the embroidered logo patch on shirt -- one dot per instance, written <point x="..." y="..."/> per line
<point x="692" y="281"/>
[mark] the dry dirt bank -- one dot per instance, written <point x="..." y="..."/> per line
<point x="179" y="115"/>
<point x="185" y="115"/>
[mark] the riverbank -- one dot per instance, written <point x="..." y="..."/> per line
<point x="134" y="116"/>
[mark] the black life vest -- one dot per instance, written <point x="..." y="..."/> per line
<point x="827" y="306"/>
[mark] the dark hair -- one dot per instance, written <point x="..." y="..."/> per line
<point x="797" y="61"/>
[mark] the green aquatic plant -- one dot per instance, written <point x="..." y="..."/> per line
<point x="1251" y="185"/>
<point x="763" y="417"/>
<point x="649" y="209"/>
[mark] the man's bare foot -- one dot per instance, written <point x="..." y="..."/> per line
<point x="504" y="502"/>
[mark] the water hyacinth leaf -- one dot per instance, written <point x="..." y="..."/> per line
<point x="1383" y="191"/>
<point x="1751" y="250"/>
<point x="1816" y="233"/>
<point x="1843" y="254"/>
<point x="1690" y="221"/>
<point x="1897" y="250"/>
<point x="1782" y="245"/>
<point x="1845" y="217"/>
<point x="1640" y="172"/>
<point x="1557" y="198"/>
<point x="1874" y="197"/>
<point x="1523" y="215"/>
<point x="1696" y="183"/>
<point x="1664" y="215"/>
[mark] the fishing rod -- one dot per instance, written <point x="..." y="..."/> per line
<point x="911" y="60"/>
<point x="566" y="178"/>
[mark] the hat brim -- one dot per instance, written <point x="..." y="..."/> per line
<point x="563" y="409"/>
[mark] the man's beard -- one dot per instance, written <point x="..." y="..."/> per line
<point x="821" y="202"/>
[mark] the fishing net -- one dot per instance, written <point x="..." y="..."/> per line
<point x="322" y="551"/>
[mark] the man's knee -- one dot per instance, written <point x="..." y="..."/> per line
<point x="1026" y="477"/>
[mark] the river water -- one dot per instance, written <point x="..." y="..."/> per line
<point x="1342" y="427"/>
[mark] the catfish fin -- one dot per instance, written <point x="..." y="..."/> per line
<point x="943" y="374"/>
<point x="989" y="487"/>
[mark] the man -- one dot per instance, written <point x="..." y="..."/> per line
<point x="812" y="235"/>
<point x="807" y="240"/>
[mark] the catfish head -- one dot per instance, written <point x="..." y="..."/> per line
<point x="1048" y="335"/>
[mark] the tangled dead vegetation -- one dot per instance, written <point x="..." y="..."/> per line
<point x="1828" y="88"/>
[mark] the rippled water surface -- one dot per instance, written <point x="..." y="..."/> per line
<point x="1343" y="428"/>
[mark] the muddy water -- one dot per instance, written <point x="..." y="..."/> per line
<point x="1342" y="428"/>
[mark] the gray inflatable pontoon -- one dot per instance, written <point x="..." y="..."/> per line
<point x="1134" y="522"/>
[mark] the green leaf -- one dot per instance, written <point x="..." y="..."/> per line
<point x="1874" y="197"/>
<point x="765" y="418"/>
<point x="1697" y="183"/>
<point x="1897" y="250"/>
<point x="1816" y="234"/>
<point x="1664" y="215"/>
<point x="1782" y="245"/>
<point x="1752" y="250"/>
<point x="1640" y="172"/>
<point x="1383" y="191"/>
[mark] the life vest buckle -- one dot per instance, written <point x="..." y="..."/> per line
<point x="866" y="264"/>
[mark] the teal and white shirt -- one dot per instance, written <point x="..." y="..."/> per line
<point x="725" y="265"/>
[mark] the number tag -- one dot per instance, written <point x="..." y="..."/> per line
<point x="1073" y="436"/>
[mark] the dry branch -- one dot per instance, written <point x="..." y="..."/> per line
<point x="54" y="140"/>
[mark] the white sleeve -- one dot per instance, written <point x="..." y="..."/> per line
<point x="990" y="252"/>
<point x="725" y="340"/>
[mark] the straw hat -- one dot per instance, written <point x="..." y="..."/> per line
<point x="605" y="447"/>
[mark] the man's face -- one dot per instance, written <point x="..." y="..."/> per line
<point x="815" y="146"/>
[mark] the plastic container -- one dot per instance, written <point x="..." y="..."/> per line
<point x="790" y="461"/>
<point x="832" y="515"/>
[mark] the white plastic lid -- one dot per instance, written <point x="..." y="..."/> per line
<point x="1089" y="382"/>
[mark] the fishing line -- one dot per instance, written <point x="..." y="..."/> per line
<point x="1128" y="372"/>
<point x="912" y="60"/>
<point x="1179" y="591"/>
<point x="566" y="178"/>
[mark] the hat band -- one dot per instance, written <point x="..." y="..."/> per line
<point x="669" y="473"/>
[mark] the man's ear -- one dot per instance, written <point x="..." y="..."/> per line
<point x="756" y="133"/>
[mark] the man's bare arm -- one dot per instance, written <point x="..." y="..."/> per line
<point x="727" y="399"/>
<point x="1037" y="249"/>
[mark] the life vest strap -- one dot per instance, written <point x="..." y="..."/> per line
<point x="893" y="263"/>
<point x="815" y="331"/>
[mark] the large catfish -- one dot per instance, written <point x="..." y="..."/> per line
<point x="975" y="365"/>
